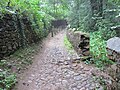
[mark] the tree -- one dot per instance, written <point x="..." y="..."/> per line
<point x="97" y="7"/>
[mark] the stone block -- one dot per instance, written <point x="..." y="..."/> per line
<point x="113" y="48"/>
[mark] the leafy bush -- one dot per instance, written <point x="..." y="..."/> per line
<point x="7" y="79"/>
<point x="98" y="49"/>
<point x="103" y="28"/>
<point x="98" y="42"/>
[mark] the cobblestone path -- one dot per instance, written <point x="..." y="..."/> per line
<point x="53" y="70"/>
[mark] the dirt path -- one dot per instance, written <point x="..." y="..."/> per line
<point x="52" y="70"/>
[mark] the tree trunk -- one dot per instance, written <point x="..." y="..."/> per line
<point x="97" y="7"/>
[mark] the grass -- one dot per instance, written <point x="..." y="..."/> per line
<point x="24" y="56"/>
<point x="68" y="45"/>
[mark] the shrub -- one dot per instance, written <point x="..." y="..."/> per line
<point x="7" y="79"/>
<point x="98" y="49"/>
<point x="103" y="28"/>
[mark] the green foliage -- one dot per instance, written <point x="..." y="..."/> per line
<point x="115" y="1"/>
<point x="98" y="42"/>
<point x="98" y="49"/>
<point x="67" y="43"/>
<point x="7" y="79"/>
<point x="80" y="14"/>
<point x="24" y="56"/>
<point x="19" y="61"/>
<point x="103" y="28"/>
<point x="84" y="18"/>
<point x="37" y="11"/>
<point x="58" y="8"/>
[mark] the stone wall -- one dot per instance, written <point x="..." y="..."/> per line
<point x="113" y="48"/>
<point x="14" y="31"/>
<point x="80" y="42"/>
<point x="9" y="37"/>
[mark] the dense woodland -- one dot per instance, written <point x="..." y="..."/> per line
<point x="32" y="19"/>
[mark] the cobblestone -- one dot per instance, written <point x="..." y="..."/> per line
<point x="55" y="73"/>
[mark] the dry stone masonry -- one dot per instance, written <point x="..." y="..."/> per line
<point x="113" y="47"/>
<point x="80" y="42"/>
<point x="9" y="37"/>
<point x="13" y="31"/>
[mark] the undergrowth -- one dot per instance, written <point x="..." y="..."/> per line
<point x="16" y="63"/>
<point x="7" y="79"/>
<point x="23" y="57"/>
<point x="98" y="50"/>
